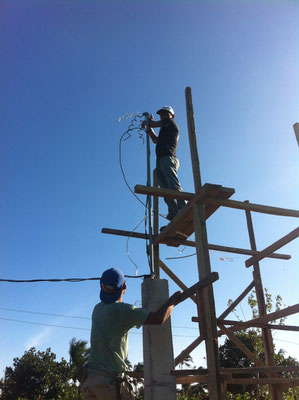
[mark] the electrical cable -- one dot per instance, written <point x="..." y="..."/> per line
<point x="74" y="327"/>
<point x="176" y="258"/>
<point x="72" y="280"/>
<point x="87" y="329"/>
<point x="88" y="318"/>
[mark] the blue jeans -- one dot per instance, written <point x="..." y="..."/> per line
<point x="167" y="168"/>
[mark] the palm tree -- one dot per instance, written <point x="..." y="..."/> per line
<point x="78" y="352"/>
<point x="186" y="362"/>
<point x="129" y="364"/>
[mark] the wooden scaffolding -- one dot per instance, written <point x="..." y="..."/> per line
<point x="192" y="219"/>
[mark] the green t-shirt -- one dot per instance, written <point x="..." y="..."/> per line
<point x="109" y="334"/>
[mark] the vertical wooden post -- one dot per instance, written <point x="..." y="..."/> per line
<point x="156" y="229"/>
<point x="204" y="268"/>
<point x="276" y="393"/>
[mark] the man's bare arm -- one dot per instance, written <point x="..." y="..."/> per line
<point x="152" y="134"/>
<point x="161" y="315"/>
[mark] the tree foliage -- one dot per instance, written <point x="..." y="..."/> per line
<point x="38" y="376"/>
<point x="232" y="357"/>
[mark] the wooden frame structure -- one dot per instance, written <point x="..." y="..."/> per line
<point x="192" y="219"/>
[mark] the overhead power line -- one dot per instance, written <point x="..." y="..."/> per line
<point x="71" y="316"/>
<point x="72" y="280"/>
<point x="42" y="313"/>
<point x="88" y="318"/>
<point x="72" y="327"/>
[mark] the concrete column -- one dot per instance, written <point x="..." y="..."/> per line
<point x="157" y="345"/>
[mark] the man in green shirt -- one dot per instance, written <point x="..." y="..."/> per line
<point x="111" y="321"/>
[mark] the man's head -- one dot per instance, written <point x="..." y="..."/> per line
<point x="166" y="112"/>
<point x="113" y="285"/>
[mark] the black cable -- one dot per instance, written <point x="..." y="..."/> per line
<point x="177" y="258"/>
<point x="121" y="167"/>
<point x="73" y="280"/>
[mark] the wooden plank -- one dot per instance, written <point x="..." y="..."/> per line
<point x="237" y="301"/>
<point x="191" y="379"/>
<point x="239" y="381"/>
<point x="191" y="243"/>
<point x="162" y="192"/>
<point x="240" y="345"/>
<point x="230" y="371"/>
<point x="249" y="370"/>
<point x="242" y="324"/>
<point x="273" y="247"/>
<point x="262" y="381"/>
<point x="285" y="212"/>
<point x="203" y="283"/>
<point x="120" y="232"/>
<point x="189" y="372"/>
<point x="238" y="250"/>
<point x="272" y="316"/>
<point x="175" y="279"/>
<point x="188" y="350"/>
<point x="225" y="371"/>
<point x="181" y="227"/>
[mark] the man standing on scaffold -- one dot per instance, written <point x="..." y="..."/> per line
<point x="167" y="163"/>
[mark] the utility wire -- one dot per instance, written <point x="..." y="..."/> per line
<point x="87" y="329"/>
<point x="73" y="327"/>
<point x="73" y="280"/>
<point x="70" y="316"/>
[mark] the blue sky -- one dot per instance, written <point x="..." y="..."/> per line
<point x="69" y="70"/>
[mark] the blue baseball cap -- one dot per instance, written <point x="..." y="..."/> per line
<point x="112" y="282"/>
